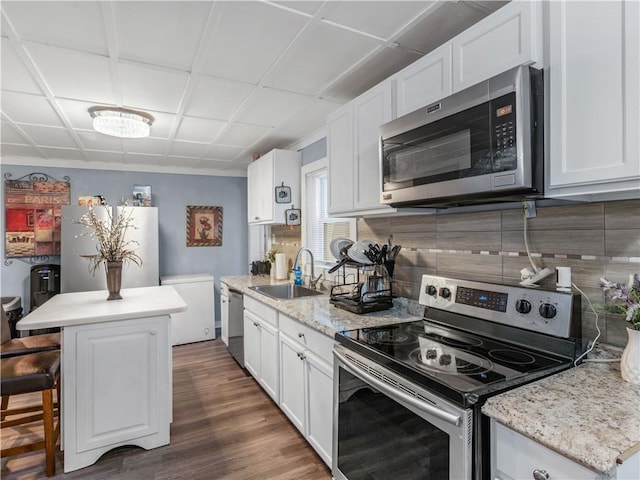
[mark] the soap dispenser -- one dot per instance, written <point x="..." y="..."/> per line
<point x="297" y="276"/>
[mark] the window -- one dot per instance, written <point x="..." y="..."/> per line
<point x="318" y="229"/>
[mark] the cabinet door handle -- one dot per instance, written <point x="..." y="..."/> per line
<point x="300" y="335"/>
<point x="540" y="474"/>
<point x="255" y="324"/>
<point x="153" y="332"/>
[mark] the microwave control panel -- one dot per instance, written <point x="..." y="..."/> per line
<point x="503" y="119"/>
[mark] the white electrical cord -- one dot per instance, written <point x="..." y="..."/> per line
<point x="593" y="343"/>
<point x="526" y="245"/>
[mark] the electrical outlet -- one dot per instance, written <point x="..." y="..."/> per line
<point x="529" y="208"/>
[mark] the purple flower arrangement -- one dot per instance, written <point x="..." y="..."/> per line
<point x="625" y="299"/>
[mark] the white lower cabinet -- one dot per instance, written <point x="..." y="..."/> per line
<point x="319" y="390"/>
<point x="294" y="364"/>
<point x="261" y="345"/>
<point x="292" y="401"/>
<point x="515" y="456"/>
<point x="306" y="383"/>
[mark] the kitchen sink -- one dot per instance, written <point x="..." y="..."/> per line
<point x="285" y="291"/>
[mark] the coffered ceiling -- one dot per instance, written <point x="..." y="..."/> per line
<point x="223" y="79"/>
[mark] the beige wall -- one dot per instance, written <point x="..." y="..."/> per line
<point x="594" y="239"/>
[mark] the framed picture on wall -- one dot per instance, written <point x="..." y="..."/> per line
<point x="204" y="226"/>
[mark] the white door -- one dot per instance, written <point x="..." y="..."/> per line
<point x="252" y="344"/>
<point x="269" y="375"/>
<point x="122" y="386"/>
<point x="509" y="37"/>
<point x="424" y="81"/>
<point x="369" y="112"/>
<point x="319" y="406"/>
<point x="292" y="381"/>
<point x="594" y="125"/>
<point x="340" y="154"/>
<point x="224" y="321"/>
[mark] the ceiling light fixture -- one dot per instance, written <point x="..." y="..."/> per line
<point x="121" y="122"/>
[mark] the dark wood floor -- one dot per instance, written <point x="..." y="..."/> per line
<point x="224" y="427"/>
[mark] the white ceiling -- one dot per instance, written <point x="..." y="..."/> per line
<point x="223" y="79"/>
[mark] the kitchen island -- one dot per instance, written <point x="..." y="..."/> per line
<point x="116" y="368"/>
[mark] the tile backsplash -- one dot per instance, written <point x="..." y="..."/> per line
<point x="594" y="239"/>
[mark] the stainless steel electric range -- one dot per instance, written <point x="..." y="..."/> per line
<point x="407" y="396"/>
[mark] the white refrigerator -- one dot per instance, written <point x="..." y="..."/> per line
<point x="74" y="269"/>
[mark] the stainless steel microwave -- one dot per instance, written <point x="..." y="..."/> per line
<point x="483" y="144"/>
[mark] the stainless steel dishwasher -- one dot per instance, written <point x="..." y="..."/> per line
<point x="236" y="328"/>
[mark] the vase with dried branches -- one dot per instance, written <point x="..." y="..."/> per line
<point x="113" y="248"/>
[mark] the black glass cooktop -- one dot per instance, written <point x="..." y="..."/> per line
<point x="459" y="362"/>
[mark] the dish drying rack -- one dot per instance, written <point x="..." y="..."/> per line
<point x="372" y="295"/>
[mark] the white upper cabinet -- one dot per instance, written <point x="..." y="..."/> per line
<point x="593" y="100"/>
<point x="369" y="112"/>
<point x="352" y="146"/>
<point x="509" y="37"/>
<point x="424" y="81"/>
<point x="275" y="169"/>
<point x="340" y="153"/>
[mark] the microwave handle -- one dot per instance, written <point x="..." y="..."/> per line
<point x="397" y="394"/>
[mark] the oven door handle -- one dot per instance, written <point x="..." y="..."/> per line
<point x="398" y="394"/>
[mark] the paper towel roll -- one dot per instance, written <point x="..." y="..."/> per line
<point x="563" y="278"/>
<point x="281" y="266"/>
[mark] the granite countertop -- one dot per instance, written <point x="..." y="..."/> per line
<point x="319" y="313"/>
<point x="588" y="413"/>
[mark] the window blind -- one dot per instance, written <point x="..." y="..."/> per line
<point x="320" y="228"/>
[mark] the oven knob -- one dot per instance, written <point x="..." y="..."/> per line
<point x="445" y="292"/>
<point x="431" y="290"/>
<point x="547" y="310"/>
<point x="431" y="353"/>
<point x="523" y="306"/>
<point x="445" y="359"/>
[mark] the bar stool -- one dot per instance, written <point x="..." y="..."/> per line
<point x="33" y="372"/>
<point x="11" y="347"/>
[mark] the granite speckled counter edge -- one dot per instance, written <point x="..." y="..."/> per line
<point x="588" y="413"/>
<point x="319" y="313"/>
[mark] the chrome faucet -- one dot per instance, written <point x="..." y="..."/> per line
<point x="312" y="281"/>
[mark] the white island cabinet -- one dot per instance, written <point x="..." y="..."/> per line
<point x="116" y="368"/>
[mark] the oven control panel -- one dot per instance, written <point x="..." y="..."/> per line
<point x="482" y="298"/>
<point x="531" y="308"/>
